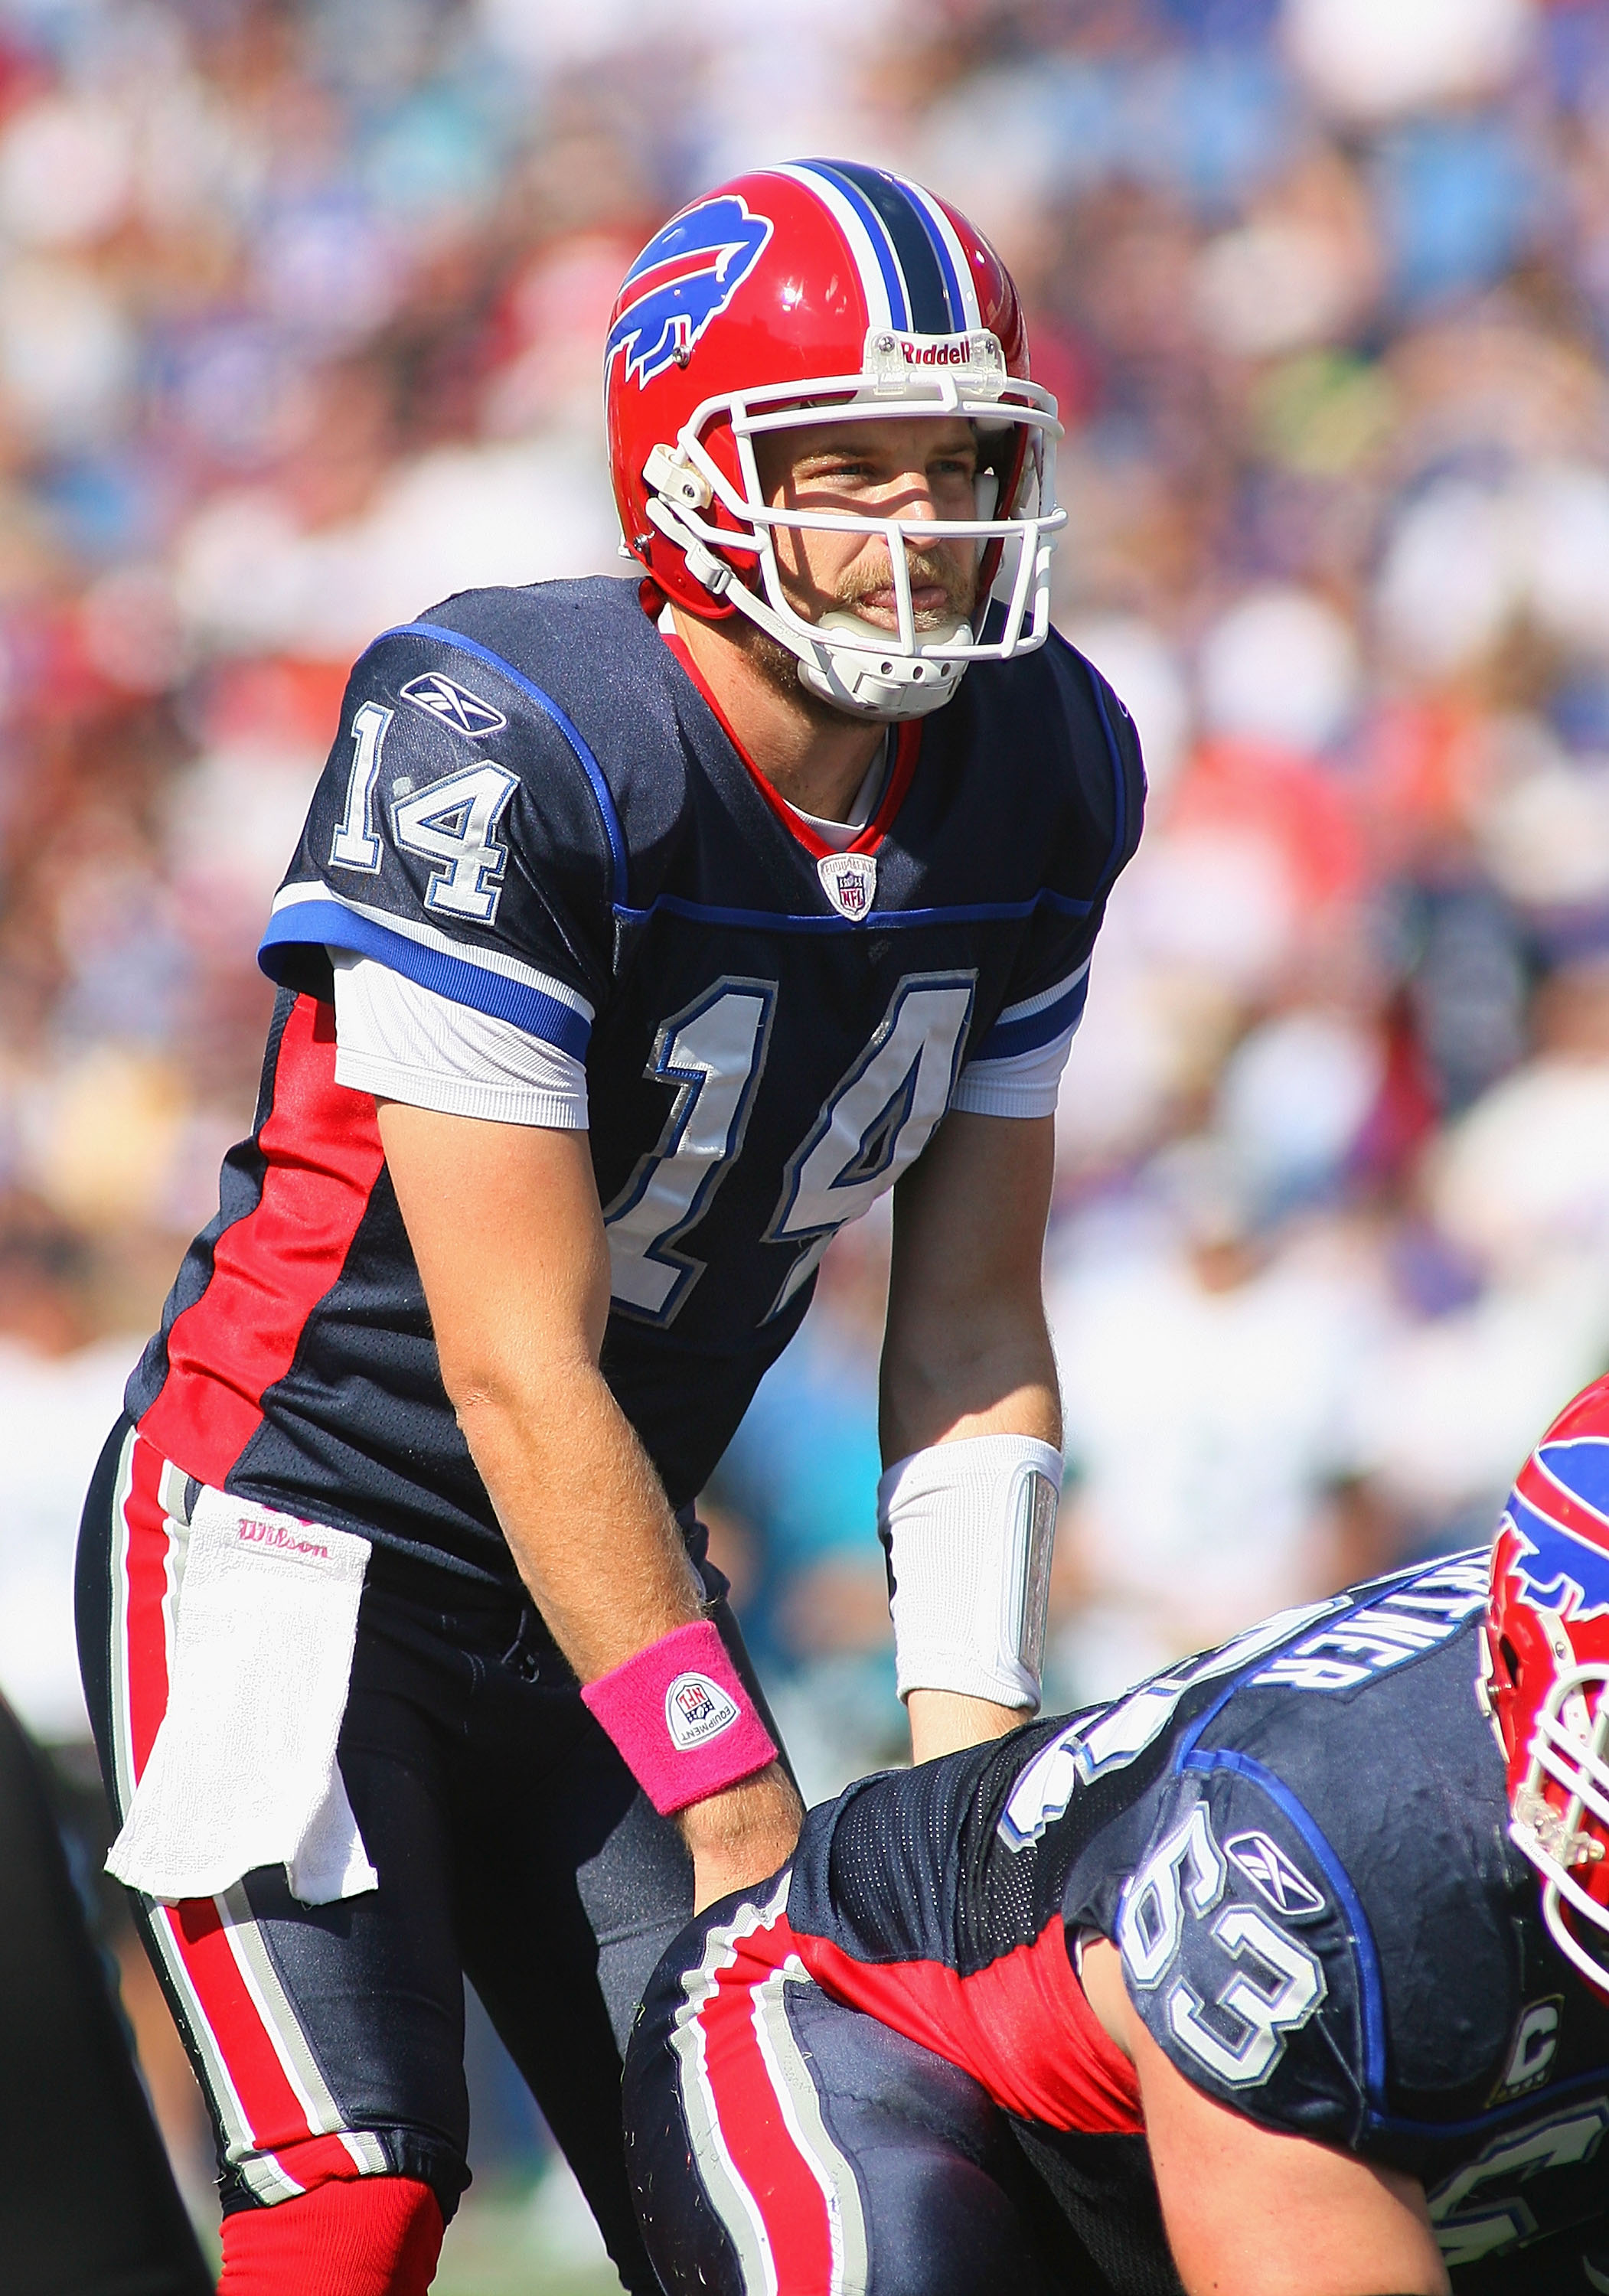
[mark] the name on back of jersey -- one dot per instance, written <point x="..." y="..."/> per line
<point x="1418" y="1616"/>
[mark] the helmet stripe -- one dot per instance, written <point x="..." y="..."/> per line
<point x="952" y="258"/>
<point x="909" y="237"/>
<point x="868" y="243"/>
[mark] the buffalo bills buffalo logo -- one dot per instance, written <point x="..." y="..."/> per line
<point x="1557" y="1525"/>
<point x="685" y="277"/>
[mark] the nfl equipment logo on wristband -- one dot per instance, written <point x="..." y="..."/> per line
<point x="681" y="1718"/>
<point x="697" y="1709"/>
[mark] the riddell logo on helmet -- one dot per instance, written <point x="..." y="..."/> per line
<point x="891" y="360"/>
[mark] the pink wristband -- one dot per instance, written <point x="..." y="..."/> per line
<point x="681" y="1717"/>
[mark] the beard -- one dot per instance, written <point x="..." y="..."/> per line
<point x="780" y="666"/>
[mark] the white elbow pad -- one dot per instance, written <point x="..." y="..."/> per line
<point x="969" y="1529"/>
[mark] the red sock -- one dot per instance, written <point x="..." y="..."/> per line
<point x="371" y="2236"/>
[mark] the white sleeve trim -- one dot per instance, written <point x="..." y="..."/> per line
<point x="403" y="1042"/>
<point x="1026" y="1084"/>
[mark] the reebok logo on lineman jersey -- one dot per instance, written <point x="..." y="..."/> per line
<point x="697" y="1709"/>
<point x="1272" y="1875"/>
<point x="439" y="696"/>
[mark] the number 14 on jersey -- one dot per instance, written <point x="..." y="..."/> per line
<point x="876" y="1120"/>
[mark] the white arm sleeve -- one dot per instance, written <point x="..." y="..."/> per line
<point x="969" y="1527"/>
<point x="1017" y="1068"/>
<point x="403" y="1042"/>
<point x="1026" y="1085"/>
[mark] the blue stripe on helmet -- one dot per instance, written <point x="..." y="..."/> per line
<point x="934" y="309"/>
<point x="941" y="247"/>
<point x="876" y="231"/>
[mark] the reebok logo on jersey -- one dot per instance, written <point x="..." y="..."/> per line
<point x="697" y="1709"/>
<point x="1272" y="1875"/>
<point x="454" y="705"/>
<point x="849" y="881"/>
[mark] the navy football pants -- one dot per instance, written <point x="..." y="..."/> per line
<point x="512" y="1847"/>
<point x="782" y="2144"/>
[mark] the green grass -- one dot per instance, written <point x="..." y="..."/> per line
<point x="514" y="2242"/>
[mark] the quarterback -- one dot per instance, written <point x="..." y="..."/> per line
<point x="1286" y="1974"/>
<point x="641" y="932"/>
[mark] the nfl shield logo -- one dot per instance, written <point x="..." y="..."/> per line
<point x="695" y="1702"/>
<point x="697" y="1709"/>
<point x="850" y="883"/>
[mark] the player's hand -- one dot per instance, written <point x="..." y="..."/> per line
<point x="742" y="1836"/>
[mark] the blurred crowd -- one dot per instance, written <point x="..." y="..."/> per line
<point x="300" y="316"/>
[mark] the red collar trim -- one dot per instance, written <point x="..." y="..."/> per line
<point x="907" y="749"/>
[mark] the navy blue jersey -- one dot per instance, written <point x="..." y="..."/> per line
<point x="1299" y="1846"/>
<point x="532" y="808"/>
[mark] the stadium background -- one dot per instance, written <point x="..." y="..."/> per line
<point x="299" y="314"/>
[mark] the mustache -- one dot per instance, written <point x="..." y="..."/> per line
<point x="928" y="567"/>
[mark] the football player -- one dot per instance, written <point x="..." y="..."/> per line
<point x="1287" y="1974"/>
<point x="71" y="2091"/>
<point x="642" y="932"/>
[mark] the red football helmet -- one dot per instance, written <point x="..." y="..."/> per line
<point x="826" y="291"/>
<point x="1546" y="1672"/>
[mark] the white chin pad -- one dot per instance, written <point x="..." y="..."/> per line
<point x="893" y="685"/>
<point x="970" y="1528"/>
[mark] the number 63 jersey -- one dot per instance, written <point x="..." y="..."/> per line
<point x="533" y="809"/>
<point x="1299" y="1845"/>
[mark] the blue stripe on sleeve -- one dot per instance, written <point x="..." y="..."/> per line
<point x="550" y="708"/>
<point x="1007" y="1039"/>
<point x="330" y="924"/>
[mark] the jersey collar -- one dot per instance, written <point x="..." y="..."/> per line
<point x="906" y="748"/>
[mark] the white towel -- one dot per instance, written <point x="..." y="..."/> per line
<point x="244" y="1770"/>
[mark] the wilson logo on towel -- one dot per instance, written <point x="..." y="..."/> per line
<point x="251" y="1533"/>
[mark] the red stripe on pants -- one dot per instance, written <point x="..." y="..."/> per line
<point x="144" y="1618"/>
<point x="760" y="2143"/>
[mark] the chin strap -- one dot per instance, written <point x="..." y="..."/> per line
<point x="896" y="685"/>
<point x="861" y="684"/>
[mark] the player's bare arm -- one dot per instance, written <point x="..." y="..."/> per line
<point x="505" y="1224"/>
<point x="966" y="1352"/>
<point x="1253" y="2211"/>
